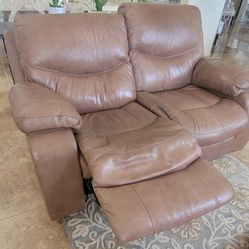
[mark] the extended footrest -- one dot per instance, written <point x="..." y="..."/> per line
<point x="154" y="205"/>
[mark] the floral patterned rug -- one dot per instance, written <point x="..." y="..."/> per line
<point x="224" y="228"/>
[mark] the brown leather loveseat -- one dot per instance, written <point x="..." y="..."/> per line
<point x="119" y="99"/>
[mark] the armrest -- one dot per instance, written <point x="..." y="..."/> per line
<point x="37" y="108"/>
<point x="242" y="100"/>
<point x="227" y="78"/>
<point x="149" y="101"/>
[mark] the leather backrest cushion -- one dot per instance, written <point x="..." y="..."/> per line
<point x="165" y="44"/>
<point x="83" y="57"/>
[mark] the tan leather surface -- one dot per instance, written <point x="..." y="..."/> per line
<point x="165" y="43"/>
<point x="80" y="65"/>
<point x="209" y="118"/>
<point x="231" y="144"/>
<point x="161" y="203"/>
<point x="13" y="57"/>
<point x="56" y="160"/>
<point x="85" y="168"/>
<point x="242" y="100"/>
<point x="130" y="144"/>
<point x="78" y="58"/>
<point x="36" y="108"/>
<point x="221" y="76"/>
<point x="234" y="143"/>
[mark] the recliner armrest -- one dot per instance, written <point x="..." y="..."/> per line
<point x="226" y="78"/>
<point x="37" y="108"/>
<point x="242" y="100"/>
<point x="151" y="102"/>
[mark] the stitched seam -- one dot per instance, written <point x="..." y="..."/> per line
<point x="48" y="130"/>
<point x="209" y="132"/>
<point x="205" y="107"/>
<point x="193" y="122"/>
<point x="232" y="137"/>
<point x="144" y="147"/>
<point x="147" y="211"/>
<point x="199" y="98"/>
<point x="79" y="75"/>
<point x="189" y="114"/>
<point x="102" y="134"/>
<point x="165" y="57"/>
<point x="212" y="132"/>
<point x="55" y="116"/>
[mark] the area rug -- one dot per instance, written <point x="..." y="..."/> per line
<point x="226" y="227"/>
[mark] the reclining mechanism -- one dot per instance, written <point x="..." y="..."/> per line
<point x="109" y="93"/>
<point x="151" y="178"/>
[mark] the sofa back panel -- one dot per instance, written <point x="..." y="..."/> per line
<point x="165" y="43"/>
<point x="98" y="92"/>
<point x="83" y="57"/>
<point x="155" y="74"/>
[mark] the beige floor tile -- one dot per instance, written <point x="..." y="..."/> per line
<point x="14" y="150"/>
<point x="32" y="230"/>
<point x="7" y="124"/>
<point x="19" y="188"/>
<point x="4" y="103"/>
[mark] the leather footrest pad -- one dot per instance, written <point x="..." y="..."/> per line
<point x="161" y="147"/>
<point x="154" y="205"/>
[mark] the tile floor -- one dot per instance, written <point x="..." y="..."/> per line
<point x="24" y="222"/>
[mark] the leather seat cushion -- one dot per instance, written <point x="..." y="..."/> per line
<point x="161" y="203"/>
<point x="131" y="144"/>
<point x="209" y="118"/>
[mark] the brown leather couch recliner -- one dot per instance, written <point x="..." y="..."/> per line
<point x="166" y="49"/>
<point x="75" y="98"/>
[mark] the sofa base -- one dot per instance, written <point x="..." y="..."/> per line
<point x="229" y="145"/>
<point x="55" y="157"/>
<point x="154" y="205"/>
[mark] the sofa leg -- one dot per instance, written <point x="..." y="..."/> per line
<point x="55" y="156"/>
<point x="60" y="220"/>
<point x="88" y="188"/>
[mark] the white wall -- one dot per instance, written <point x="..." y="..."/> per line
<point x="211" y="11"/>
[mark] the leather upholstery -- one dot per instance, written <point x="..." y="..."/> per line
<point x="221" y="76"/>
<point x="242" y="100"/>
<point x="131" y="144"/>
<point x="163" y="47"/>
<point x="79" y="61"/>
<point x="36" y="108"/>
<point x="203" y="114"/>
<point x="166" y="54"/>
<point x="13" y="57"/>
<point x="87" y="174"/>
<point x="56" y="160"/>
<point x="228" y="145"/>
<point x="146" y="169"/>
<point x="146" y="207"/>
